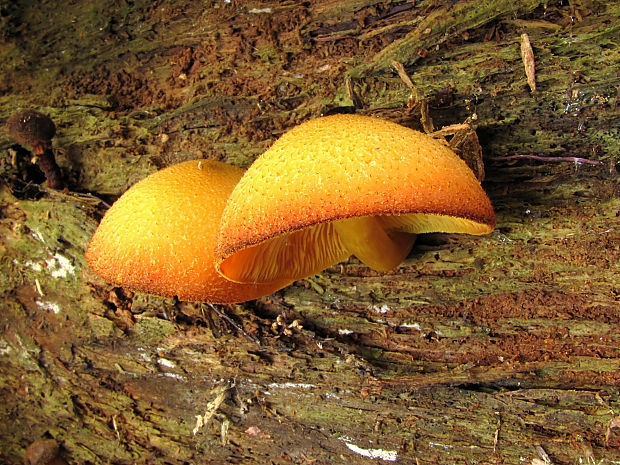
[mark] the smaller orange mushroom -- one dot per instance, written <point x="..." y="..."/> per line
<point x="158" y="237"/>
<point x="345" y="185"/>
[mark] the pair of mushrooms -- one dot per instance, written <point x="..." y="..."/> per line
<point x="332" y="187"/>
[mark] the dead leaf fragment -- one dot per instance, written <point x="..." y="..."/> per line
<point x="212" y="407"/>
<point x="613" y="423"/>
<point x="467" y="146"/>
<point x="42" y="452"/>
<point x="256" y="431"/>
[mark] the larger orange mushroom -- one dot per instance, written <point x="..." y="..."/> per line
<point x="342" y="185"/>
<point x="159" y="236"/>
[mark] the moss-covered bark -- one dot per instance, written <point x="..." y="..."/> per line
<point x="476" y="350"/>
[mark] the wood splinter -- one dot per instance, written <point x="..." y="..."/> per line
<point x="527" y="54"/>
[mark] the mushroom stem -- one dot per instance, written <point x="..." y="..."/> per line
<point x="47" y="162"/>
<point x="365" y="238"/>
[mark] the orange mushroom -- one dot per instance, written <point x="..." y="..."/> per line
<point x="159" y="236"/>
<point x="342" y="185"/>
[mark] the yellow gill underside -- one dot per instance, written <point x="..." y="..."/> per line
<point x="421" y="223"/>
<point x="290" y="256"/>
<point x="381" y="243"/>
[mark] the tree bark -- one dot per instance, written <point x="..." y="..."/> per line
<point x="496" y="349"/>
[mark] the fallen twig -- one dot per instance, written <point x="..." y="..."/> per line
<point x="333" y="37"/>
<point x="576" y="160"/>
<point x="416" y="101"/>
<point x="225" y="317"/>
<point x="496" y="435"/>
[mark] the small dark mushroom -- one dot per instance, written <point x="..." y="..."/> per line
<point x="35" y="130"/>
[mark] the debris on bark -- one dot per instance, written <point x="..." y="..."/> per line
<point x="527" y="54"/>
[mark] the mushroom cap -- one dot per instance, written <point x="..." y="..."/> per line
<point x="31" y="128"/>
<point x="158" y="237"/>
<point x="338" y="167"/>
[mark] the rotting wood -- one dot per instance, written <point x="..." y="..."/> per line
<point x="416" y="363"/>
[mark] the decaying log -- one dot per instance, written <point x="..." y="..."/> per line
<point x="496" y="349"/>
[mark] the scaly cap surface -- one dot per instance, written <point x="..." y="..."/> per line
<point x="159" y="236"/>
<point x="345" y="166"/>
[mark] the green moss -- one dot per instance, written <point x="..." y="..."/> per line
<point x="102" y="328"/>
<point x="151" y="330"/>
<point x="265" y="53"/>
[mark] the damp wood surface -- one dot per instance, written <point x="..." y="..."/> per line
<point x="496" y="349"/>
